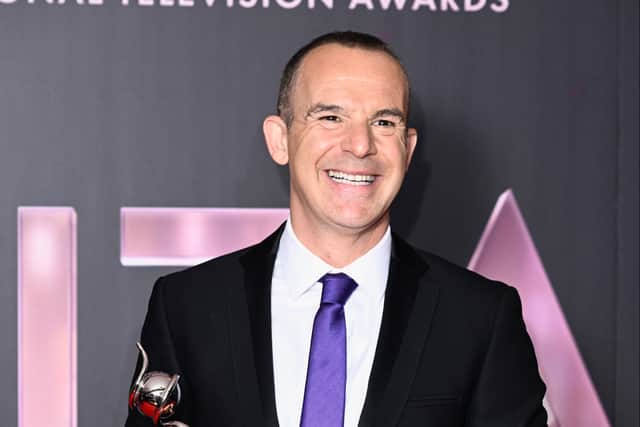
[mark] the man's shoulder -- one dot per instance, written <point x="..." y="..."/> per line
<point x="213" y="267"/>
<point x="225" y="269"/>
<point x="465" y="294"/>
<point x="207" y="280"/>
<point x="453" y="278"/>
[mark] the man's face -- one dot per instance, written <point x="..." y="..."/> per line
<point x="347" y="147"/>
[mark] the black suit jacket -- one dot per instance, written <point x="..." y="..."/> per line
<point x="452" y="351"/>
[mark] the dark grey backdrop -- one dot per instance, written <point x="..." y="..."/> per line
<point x="102" y="107"/>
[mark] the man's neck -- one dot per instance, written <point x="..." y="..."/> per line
<point x="339" y="246"/>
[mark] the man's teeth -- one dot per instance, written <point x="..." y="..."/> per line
<point x="346" y="178"/>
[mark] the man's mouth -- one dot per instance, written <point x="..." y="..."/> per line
<point x="345" y="178"/>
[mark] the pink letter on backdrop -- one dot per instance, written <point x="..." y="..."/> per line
<point x="46" y="317"/>
<point x="507" y="253"/>
<point x="188" y="236"/>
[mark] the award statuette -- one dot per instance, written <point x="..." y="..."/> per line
<point x="155" y="394"/>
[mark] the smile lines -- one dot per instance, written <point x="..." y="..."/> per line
<point x="345" y="178"/>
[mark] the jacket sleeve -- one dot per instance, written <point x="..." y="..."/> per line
<point x="509" y="390"/>
<point x="158" y="344"/>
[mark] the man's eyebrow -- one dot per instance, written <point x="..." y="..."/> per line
<point x="322" y="108"/>
<point x="389" y="112"/>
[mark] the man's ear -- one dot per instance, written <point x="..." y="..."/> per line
<point x="275" y="136"/>
<point x="412" y="140"/>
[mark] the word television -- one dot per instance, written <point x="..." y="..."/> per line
<point x="468" y="6"/>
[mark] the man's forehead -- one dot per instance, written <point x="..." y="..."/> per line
<point x="336" y="57"/>
<point x="337" y="63"/>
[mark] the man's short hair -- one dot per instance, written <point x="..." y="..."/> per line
<point x="344" y="38"/>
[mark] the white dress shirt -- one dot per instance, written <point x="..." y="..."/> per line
<point x="295" y="299"/>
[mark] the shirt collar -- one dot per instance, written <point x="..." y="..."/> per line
<point x="301" y="268"/>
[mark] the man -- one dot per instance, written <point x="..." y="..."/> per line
<point x="332" y="320"/>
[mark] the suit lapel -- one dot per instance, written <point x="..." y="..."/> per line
<point x="250" y="314"/>
<point x="406" y="318"/>
<point x="408" y="309"/>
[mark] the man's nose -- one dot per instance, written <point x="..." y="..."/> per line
<point x="359" y="140"/>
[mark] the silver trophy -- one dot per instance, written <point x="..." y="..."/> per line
<point x="155" y="394"/>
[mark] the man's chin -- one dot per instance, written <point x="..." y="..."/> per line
<point x="361" y="223"/>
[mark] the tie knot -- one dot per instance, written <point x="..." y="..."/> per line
<point x="337" y="288"/>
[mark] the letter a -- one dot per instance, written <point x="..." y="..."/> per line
<point x="417" y="4"/>
<point x="355" y="3"/>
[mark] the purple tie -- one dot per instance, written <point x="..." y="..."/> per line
<point x="327" y="372"/>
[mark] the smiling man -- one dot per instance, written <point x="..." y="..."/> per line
<point x="333" y="320"/>
<point x="342" y="131"/>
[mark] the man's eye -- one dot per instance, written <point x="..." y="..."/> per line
<point x="329" y="118"/>
<point x="384" y="123"/>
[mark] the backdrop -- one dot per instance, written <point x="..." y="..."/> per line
<point x="111" y="103"/>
